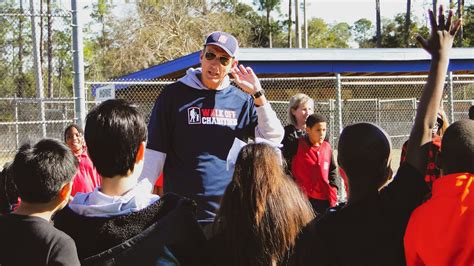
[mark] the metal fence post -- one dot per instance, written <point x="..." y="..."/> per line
<point x="450" y="97"/>
<point x="17" y="133"/>
<point x="377" y="114"/>
<point x="332" y="123"/>
<point x="338" y="104"/>
<point x="78" y="58"/>
<point x="37" y="65"/>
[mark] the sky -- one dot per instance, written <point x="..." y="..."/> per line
<point x="351" y="11"/>
<point x="330" y="10"/>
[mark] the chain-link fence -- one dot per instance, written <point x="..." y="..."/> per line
<point x="389" y="101"/>
<point x="25" y="113"/>
<point x="386" y="100"/>
<point x="17" y="52"/>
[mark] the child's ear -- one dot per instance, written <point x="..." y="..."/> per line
<point x="141" y="152"/>
<point x="65" y="191"/>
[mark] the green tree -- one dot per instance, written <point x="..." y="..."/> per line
<point x="164" y="30"/>
<point x="268" y="6"/>
<point x="98" y="41"/>
<point x="323" y="35"/>
<point x="363" y="32"/>
<point x="378" y="24"/>
<point x="394" y="32"/>
<point x="468" y="27"/>
<point x="407" y="23"/>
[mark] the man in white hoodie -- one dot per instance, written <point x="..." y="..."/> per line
<point x="196" y="119"/>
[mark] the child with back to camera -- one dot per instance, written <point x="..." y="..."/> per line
<point x="43" y="176"/>
<point x="369" y="229"/>
<point x="261" y="213"/>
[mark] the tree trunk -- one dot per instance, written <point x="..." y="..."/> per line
<point x="407" y="24"/>
<point x="50" y="50"/>
<point x="298" y="26"/>
<point x="290" y="24"/>
<point x="270" y="44"/>
<point x="378" y="22"/>
<point x="305" y="25"/>
<point x="41" y="32"/>
<point x="461" y="31"/>
<point x="21" y="79"/>
<point x="435" y="8"/>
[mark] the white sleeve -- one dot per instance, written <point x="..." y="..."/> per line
<point x="269" y="126"/>
<point x="153" y="165"/>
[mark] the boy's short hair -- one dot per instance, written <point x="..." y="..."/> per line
<point x="457" y="148"/>
<point x="471" y="112"/>
<point x="113" y="133"/>
<point x="41" y="171"/>
<point x="315" y="118"/>
<point x="362" y="149"/>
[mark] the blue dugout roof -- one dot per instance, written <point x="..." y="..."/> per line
<point x="313" y="62"/>
<point x="285" y="62"/>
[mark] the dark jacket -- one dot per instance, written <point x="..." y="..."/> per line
<point x="164" y="233"/>
<point x="290" y="145"/>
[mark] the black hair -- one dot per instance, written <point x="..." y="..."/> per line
<point x="362" y="151"/>
<point x="457" y="148"/>
<point x="8" y="192"/>
<point x="114" y="131"/>
<point x="471" y="112"/>
<point x="314" y="119"/>
<point x="40" y="172"/>
<point x="76" y="126"/>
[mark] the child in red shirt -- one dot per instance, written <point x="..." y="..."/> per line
<point x="86" y="178"/>
<point x="313" y="165"/>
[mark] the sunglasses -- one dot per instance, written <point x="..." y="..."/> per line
<point x="224" y="60"/>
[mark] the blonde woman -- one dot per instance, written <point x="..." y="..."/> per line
<point x="300" y="107"/>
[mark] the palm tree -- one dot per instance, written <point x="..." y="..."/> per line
<point x="297" y="22"/>
<point x="290" y="23"/>
<point x="305" y="25"/>
<point x="268" y="6"/>
<point x="407" y="23"/>
<point x="378" y="23"/>
<point x="21" y="77"/>
<point x="460" y="12"/>
<point x="50" y="49"/>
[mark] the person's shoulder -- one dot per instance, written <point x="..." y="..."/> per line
<point x="59" y="236"/>
<point x="406" y="169"/>
<point x="236" y="92"/>
<point x="324" y="225"/>
<point x="290" y="128"/>
<point x="175" y="87"/>
<point x="327" y="145"/>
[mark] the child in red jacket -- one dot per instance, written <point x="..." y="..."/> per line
<point x="313" y="165"/>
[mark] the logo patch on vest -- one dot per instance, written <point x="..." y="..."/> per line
<point x="194" y="115"/>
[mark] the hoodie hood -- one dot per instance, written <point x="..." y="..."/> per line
<point x="192" y="80"/>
